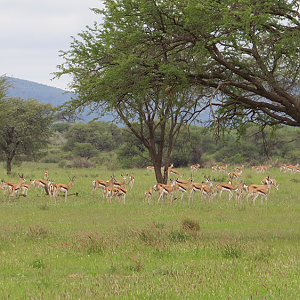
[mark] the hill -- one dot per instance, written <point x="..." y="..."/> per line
<point x="48" y="94"/>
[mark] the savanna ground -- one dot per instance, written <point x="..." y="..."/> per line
<point x="87" y="249"/>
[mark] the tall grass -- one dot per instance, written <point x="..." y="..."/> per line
<point x="88" y="249"/>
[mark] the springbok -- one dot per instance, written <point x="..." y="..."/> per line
<point x="60" y="187"/>
<point x="148" y="195"/>
<point x="13" y="187"/>
<point x="103" y="184"/>
<point x="256" y="190"/>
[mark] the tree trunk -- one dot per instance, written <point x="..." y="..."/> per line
<point x="8" y="166"/>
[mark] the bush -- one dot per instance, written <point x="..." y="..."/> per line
<point x="190" y="224"/>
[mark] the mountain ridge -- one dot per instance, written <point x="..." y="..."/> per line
<point x="26" y="89"/>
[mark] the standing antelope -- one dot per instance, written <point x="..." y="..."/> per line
<point x="256" y="190"/>
<point x="195" y="167"/>
<point x="230" y="188"/>
<point x="195" y="187"/>
<point x="13" y="187"/>
<point x="103" y="184"/>
<point x="184" y="181"/>
<point x="283" y="168"/>
<point x="46" y="175"/>
<point x="239" y="169"/>
<point x="60" y="187"/>
<point x="258" y="169"/>
<point x="120" y="183"/>
<point x="25" y="187"/>
<point x="51" y="189"/>
<point x="208" y="190"/>
<point x="290" y="168"/>
<point x="183" y="188"/>
<point x="223" y="168"/>
<point x="166" y="191"/>
<point x="40" y="183"/>
<point x="214" y="168"/>
<point x="148" y="195"/>
<point x="150" y="168"/>
<point x="131" y="180"/>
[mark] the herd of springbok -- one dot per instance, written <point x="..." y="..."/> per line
<point x="48" y="186"/>
<point x="209" y="189"/>
<point x="114" y="188"/>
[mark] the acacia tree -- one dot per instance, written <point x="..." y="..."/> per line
<point x="243" y="54"/>
<point x="113" y="74"/>
<point x="25" y="128"/>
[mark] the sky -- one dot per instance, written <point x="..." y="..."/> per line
<point x="34" y="31"/>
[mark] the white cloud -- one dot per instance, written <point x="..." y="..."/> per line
<point x="35" y="31"/>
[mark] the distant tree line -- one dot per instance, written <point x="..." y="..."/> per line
<point x="104" y="143"/>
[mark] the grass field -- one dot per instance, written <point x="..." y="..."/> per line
<point x="87" y="249"/>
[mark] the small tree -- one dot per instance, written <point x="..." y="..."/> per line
<point x="25" y="128"/>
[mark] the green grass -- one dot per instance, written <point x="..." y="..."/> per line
<point x="87" y="249"/>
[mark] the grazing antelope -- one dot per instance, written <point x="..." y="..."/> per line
<point x="40" y="183"/>
<point x="118" y="192"/>
<point x="150" y="168"/>
<point x="195" y="167"/>
<point x="266" y="168"/>
<point x="214" y="168"/>
<point x="234" y="175"/>
<point x="131" y="181"/>
<point x="148" y="195"/>
<point x="103" y="184"/>
<point x="239" y="169"/>
<point x="175" y="172"/>
<point x="223" y="168"/>
<point x="256" y="190"/>
<point x="60" y="187"/>
<point x="258" y="169"/>
<point x="270" y="181"/>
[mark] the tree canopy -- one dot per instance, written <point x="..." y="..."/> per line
<point x="25" y="128"/>
<point x="161" y="63"/>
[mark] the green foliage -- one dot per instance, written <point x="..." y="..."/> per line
<point x="192" y="146"/>
<point x="84" y="150"/>
<point x="102" y="136"/>
<point x="25" y="129"/>
<point x="61" y="126"/>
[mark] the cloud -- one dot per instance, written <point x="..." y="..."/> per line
<point x="35" y="31"/>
